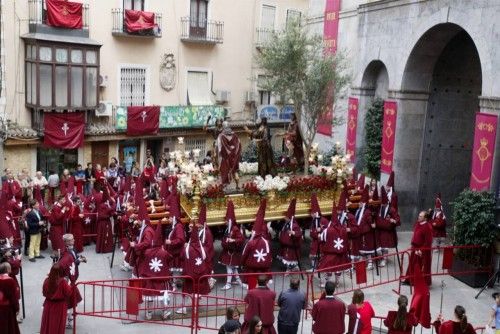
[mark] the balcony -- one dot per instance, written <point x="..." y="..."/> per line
<point x="203" y="32"/>
<point x="122" y="27"/>
<point x="38" y="22"/>
<point x="263" y="37"/>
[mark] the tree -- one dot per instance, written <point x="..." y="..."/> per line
<point x="299" y="72"/>
<point x="373" y="138"/>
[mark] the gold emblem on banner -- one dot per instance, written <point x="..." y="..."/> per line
<point x="478" y="180"/>
<point x="388" y="131"/>
<point x="390" y="111"/>
<point x="140" y="20"/>
<point x="352" y="123"/>
<point x="64" y="11"/>
<point x="483" y="152"/>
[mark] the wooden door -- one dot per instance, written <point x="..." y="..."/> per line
<point x="100" y="153"/>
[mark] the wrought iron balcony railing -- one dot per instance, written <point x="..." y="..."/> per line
<point x="201" y="31"/>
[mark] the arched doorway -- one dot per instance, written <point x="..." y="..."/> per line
<point x="374" y="84"/>
<point x="444" y="64"/>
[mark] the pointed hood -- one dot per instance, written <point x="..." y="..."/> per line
<point x="354" y="174"/>
<point x="385" y="200"/>
<point x="375" y="194"/>
<point x="290" y="213"/>
<point x="4" y="228"/>
<point x="361" y="182"/>
<point x="138" y="196"/>
<point x="260" y="224"/>
<point x="390" y="181"/>
<point x="394" y="203"/>
<point x="158" y="238"/>
<point x="365" y="195"/>
<point x="335" y="216"/>
<point x="143" y="212"/>
<point x="194" y="244"/>
<point x="342" y="205"/>
<point x="164" y="192"/>
<point x="202" y="216"/>
<point x="437" y="203"/>
<point x="71" y="186"/>
<point x="174" y="210"/>
<point x="315" y="209"/>
<point x="230" y="215"/>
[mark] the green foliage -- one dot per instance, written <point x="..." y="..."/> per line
<point x="373" y="138"/>
<point x="249" y="154"/>
<point x="327" y="156"/>
<point x="473" y="217"/>
<point x="299" y="72"/>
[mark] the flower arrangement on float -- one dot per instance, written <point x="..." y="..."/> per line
<point x="248" y="168"/>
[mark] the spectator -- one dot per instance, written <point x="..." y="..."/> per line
<point x="53" y="183"/>
<point x="163" y="169"/>
<point x="9" y="301"/>
<point x="495" y="312"/>
<point x="291" y="303"/>
<point x="231" y="327"/>
<point x="41" y="182"/>
<point x="208" y="158"/>
<point x="400" y="321"/>
<point x="35" y="224"/>
<point x="56" y="292"/>
<point x="232" y="313"/>
<point x="136" y="172"/>
<point x="254" y="325"/>
<point x="89" y="178"/>
<point x="79" y="179"/>
<point x="360" y="314"/>
<point x="328" y="313"/>
<point x="260" y="302"/>
<point x="459" y="325"/>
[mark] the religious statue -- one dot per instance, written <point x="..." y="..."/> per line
<point x="293" y="142"/>
<point x="215" y="131"/>
<point x="262" y="138"/>
<point x="229" y="155"/>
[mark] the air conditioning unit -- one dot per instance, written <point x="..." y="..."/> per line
<point x="222" y="96"/>
<point x="103" y="80"/>
<point x="105" y="108"/>
<point x="250" y="97"/>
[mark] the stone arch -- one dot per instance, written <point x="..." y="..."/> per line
<point x="440" y="87"/>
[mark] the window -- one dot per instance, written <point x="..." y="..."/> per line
<point x="265" y="96"/>
<point x="133" y="4"/>
<point x="196" y="143"/>
<point x="60" y="77"/>
<point x="198" y="18"/>
<point x="133" y="86"/>
<point x="292" y="15"/>
<point x="268" y="16"/>
<point x="198" y="90"/>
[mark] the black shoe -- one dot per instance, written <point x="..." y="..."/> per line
<point x="32" y="260"/>
<point x="405" y="282"/>
<point x="40" y="257"/>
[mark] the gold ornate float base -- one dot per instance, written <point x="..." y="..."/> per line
<point x="246" y="206"/>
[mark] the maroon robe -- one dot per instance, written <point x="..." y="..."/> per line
<point x="386" y="230"/>
<point x="452" y="327"/>
<point x="231" y="251"/>
<point x="260" y="301"/>
<point x="290" y="244"/>
<point x="177" y="238"/>
<point x="411" y="321"/>
<point x="76" y="227"/>
<point x="421" y="240"/>
<point x="334" y="248"/>
<point x="155" y="264"/>
<point x="195" y="265"/>
<point x="357" y="227"/>
<point x="144" y="242"/>
<point x="56" y="220"/>
<point x="70" y="263"/>
<point x="328" y="315"/>
<point x="55" y="308"/>
<point x="367" y="232"/>
<point x="207" y="240"/>
<point x="439" y="225"/>
<point x="104" y="241"/>
<point x="229" y="155"/>
<point x="9" y="305"/>
<point x="257" y="256"/>
<point x="320" y="224"/>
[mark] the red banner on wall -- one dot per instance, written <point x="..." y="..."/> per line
<point x="64" y="131"/>
<point x="388" y="136"/>
<point x="330" y="34"/>
<point x="352" y="126"/>
<point x="64" y="14"/>
<point x="143" y="120"/>
<point x="136" y="20"/>
<point x="482" y="154"/>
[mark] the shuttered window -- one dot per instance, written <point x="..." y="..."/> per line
<point x="132" y="86"/>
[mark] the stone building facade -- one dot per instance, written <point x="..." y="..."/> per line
<point x="439" y="59"/>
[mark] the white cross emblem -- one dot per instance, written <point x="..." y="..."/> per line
<point x="65" y="128"/>
<point x="155" y="265"/>
<point x="198" y="261"/>
<point x="338" y="243"/>
<point x="87" y="220"/>
<point x="72" y="269"/>
<point x="260" y="255"/>
<point x="144" y="115"/>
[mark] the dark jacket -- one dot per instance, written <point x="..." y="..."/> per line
<point x="33" y="222"/>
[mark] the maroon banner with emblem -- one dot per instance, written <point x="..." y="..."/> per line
<point x="136" y="20"/>
<point x="143" y="120"/>
<point x="330" y="34"/>
<point x="482" y="154"/>
<point x="65" y="131"/>
<point x="388" y="136"/>
<point x="352" y="126"/>
<point x="64" y="14"/>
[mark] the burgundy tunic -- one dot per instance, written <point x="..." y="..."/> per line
<point x="386" y="230"/>
<point x="195" y="265"/>
<point x="411" y="321"/>
<point x="231" y="251"/>
<point x="334" y="248"/>
<point x="257" y="256"/>
<point x="178" y="240"/>
<point x="104" y="241"/>
<point x="144" y="242"/>
<point x="422" y="238"/>
<point x="439" y="225"/>
<point x="315" y="230"/>
<point x="328" y="315"/>
<point x="76" y="227"/>
<point x="290" y="244"/>
<point x="155" y="264"/>
<point x="56" y="220"/>
<point x="260" y="301"/>
<point x="9" y="305"/>
<point x="69" y="265"/>
<point x="55" y="308"/>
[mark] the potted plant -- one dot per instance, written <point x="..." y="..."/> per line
<point x="473" y="217"/>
